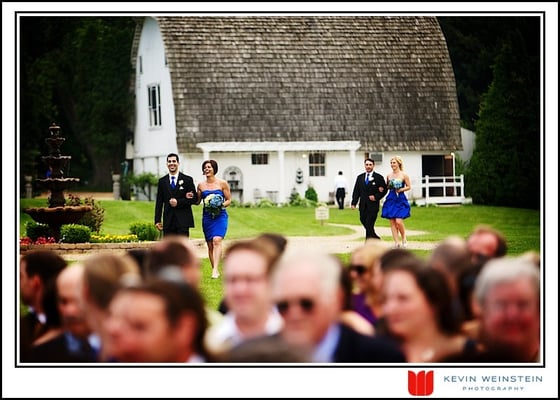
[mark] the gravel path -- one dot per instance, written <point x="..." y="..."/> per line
<point x="331" y="244"/>
<point x="347" y="243"/>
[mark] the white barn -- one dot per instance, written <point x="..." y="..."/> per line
<point x="284" y="102"/>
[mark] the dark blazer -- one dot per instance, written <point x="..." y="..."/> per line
<point x="29" y="329"/>
<point x="183" y="211"/>
<point x="353" y="347"/>
<point x="56" y="350"/>
<point x="377" y="187"/>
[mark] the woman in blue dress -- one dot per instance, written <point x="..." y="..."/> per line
<point x="396" y="206"/>
<point x="215" y="195"/>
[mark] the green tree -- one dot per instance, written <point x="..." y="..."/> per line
<point x="504" y="168"/>
<point x="39" y="37"/>
<point x="80" y="80"/>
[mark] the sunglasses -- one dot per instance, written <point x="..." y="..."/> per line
<point x="306" y="305"/>
<point x="359" y="269"/>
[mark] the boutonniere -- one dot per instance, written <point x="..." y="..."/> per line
<point x="181" y="182"/>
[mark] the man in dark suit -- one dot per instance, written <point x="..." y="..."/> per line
<point x="38" y="272"/>
<point x="369" y="189"/>
<point x="176" y="194"/>
<point x="308" y="294"/>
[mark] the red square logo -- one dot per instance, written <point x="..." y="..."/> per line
<point x="421" y="383"/>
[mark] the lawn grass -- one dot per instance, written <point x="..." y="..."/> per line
<point x="521" y="227"/>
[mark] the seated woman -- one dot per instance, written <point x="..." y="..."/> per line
<point x="367" y="279"/>
<point x="417" y="309"/>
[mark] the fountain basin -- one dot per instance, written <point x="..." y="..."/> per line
<point x="59" y="215"/>
<point x="55" y="217"/>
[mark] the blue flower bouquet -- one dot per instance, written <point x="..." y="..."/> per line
<point x="213" y="204"/>
<point x="395" y="184"/>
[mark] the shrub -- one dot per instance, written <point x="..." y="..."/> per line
<point x="35" y="230"/>
<point x="145" y="231"/>
<point x="265" y="203"/>
<point x="74" y="233"/>
<point x="94" y="218"/>
<point x="311" y="194"/>
<point x="143" y="183"/>
<point x="235" y="203"/>
<point x="297" y="201"/>
<point x="294" y="196"/>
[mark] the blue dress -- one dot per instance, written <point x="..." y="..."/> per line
<point x="214" y="225"/>
<point x="396" y="205"/>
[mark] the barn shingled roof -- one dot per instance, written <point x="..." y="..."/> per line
<point x="386" y="81"/>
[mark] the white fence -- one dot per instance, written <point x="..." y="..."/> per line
<point x="442" y="190"/>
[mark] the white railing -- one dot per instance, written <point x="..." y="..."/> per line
<point x="443" y="189"/>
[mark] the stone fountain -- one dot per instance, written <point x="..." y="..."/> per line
<point x="57" y="213"/>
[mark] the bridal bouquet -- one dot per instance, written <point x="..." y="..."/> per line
<point x="213" y="204"/>
<point x="395" y="184"/>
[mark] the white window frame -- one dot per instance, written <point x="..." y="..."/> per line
<point x="317" y="167"/>
<point x="154" y="105"/>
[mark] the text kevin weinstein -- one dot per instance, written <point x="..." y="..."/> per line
<point x="492" y="378"/>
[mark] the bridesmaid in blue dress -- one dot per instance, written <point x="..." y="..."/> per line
<point x="396" y="206"/>
<point x="215" y="195"/>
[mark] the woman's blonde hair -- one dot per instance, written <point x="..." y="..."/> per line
<point x="399" y="161"/>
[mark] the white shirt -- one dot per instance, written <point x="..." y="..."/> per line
<point x="225" y="334"/>
<point x="340" y="182"/>
<point x="324" y="351"/>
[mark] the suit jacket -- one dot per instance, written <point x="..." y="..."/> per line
<point x="183" y="211"/>
<point x="377" y="187"/>
<point x="353" y="347"/>
<point x="57" y="350"/>
<point x="29" y="329"/>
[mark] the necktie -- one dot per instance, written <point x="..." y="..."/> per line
<point x="367" y="179"/>
<point x="172" y="182"/>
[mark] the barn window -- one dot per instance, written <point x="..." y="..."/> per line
<point x="154" y="105"/>
<point x="377" y="157"/>
<point x="259" y="158"/>
<point x="316" y="164"/>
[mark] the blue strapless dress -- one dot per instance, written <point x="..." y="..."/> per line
<point x="214" y="225"/>
<point x="396" y="205"/>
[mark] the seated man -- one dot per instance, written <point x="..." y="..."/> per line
<point x="308" y="295"/>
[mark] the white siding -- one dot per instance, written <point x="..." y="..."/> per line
<point x="151" y="143"/>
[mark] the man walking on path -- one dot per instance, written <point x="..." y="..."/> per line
<point x="369" y="189"/>
<point x="176" y="194"/>
<point x="340" y="189"/>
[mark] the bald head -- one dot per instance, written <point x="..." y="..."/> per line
<point x="70" y="303"/>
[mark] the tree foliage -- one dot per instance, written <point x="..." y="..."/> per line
<point x="473" y="44"/>
<point x="496" y="61"/>
<point x="504" y="169"/>
<point x="143" y="183"/>
<point x="75" y="71"/>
